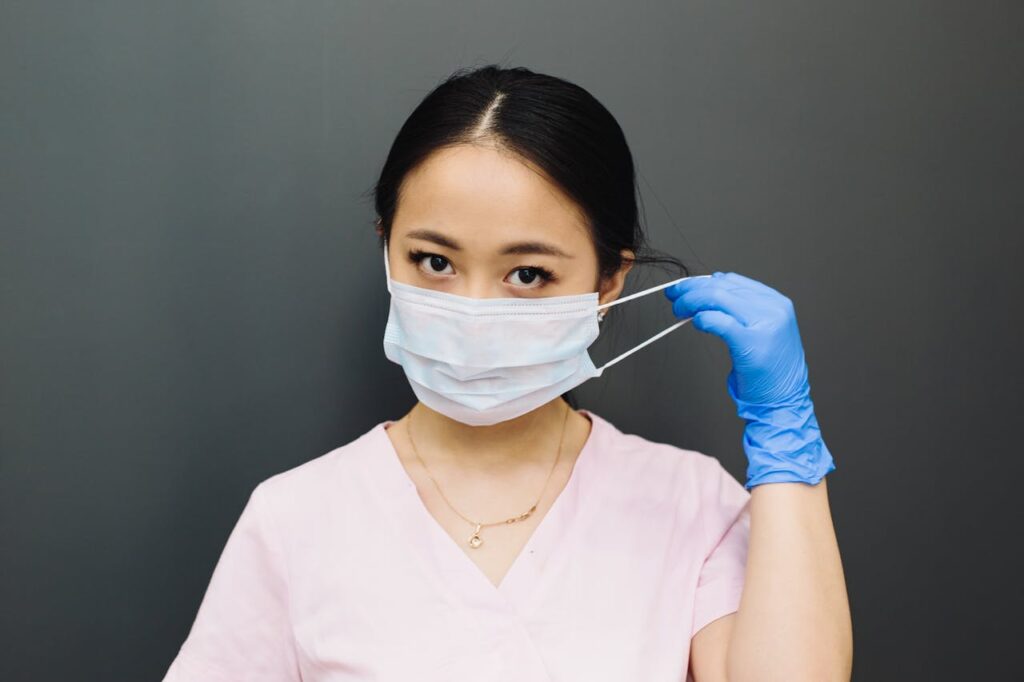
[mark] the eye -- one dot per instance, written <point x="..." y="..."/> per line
<point x="532" y="277"/>
<point x="431" y="263"/>
<point x="435" y="265"/>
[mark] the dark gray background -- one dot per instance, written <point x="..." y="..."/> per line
<point x="192" y="298"/>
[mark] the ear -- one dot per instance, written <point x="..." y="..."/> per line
<point x="378" y="227"/>
<point x="611" y="287"/>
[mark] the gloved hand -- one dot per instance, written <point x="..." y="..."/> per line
<point x="768" y="381"/>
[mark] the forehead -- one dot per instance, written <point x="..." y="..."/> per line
<point x="483" y="194"/>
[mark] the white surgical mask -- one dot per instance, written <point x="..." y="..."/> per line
<point x="482" y="361"/>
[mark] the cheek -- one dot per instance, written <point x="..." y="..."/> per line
<point x="403" y="270"/>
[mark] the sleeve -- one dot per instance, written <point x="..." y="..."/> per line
<point x="242" y="630"/>
<point x="725" y="513"/>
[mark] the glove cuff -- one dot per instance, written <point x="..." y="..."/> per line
<point x="782" y="441"/>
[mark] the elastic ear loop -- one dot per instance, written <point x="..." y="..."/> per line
<point x="657" y="336"/>
<point x="387" y="268"/>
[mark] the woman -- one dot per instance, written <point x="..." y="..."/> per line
<point x="494" y="532"/>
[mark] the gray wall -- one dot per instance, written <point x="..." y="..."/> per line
<point x="192" y="300"/>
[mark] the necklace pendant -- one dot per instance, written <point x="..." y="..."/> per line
<point x="475" y="540"/>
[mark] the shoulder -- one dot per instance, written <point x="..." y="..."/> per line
<point x="660" y="464"/>
<point x="663" y="478"/>
<point x="307" y="487"/>
<point x="685" y="490"/>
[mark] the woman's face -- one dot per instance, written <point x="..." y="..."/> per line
<point x="477" y="222"/>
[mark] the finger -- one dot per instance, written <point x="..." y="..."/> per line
<point x="718" y="323"/>
<point x="714" y="298"/>
<point x="718" y="279"/>
<point x="676" y="290"/>
<point x="737" y="278"/>
<point x="771" y="299"/>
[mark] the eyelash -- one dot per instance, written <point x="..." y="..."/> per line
<point x="545" y="275"/>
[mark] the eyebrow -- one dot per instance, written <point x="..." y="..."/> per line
<point x="517" y="248"/>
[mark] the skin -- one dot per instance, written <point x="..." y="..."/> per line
<point x="467" y="206"/>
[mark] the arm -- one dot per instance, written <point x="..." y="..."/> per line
<point x="793" y="621"/>
<point x="794" y="618"/>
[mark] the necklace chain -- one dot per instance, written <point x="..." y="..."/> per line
<point x="475" y="540"/>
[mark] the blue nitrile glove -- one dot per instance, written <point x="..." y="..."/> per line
<point x="768" y="381"/>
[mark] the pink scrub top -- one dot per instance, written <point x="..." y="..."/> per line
<point x="337" y="572"/>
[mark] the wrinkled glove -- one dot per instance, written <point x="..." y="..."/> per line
<point x="768" y="381"/>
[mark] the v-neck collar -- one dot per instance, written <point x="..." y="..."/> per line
<point x="457" y="573"/>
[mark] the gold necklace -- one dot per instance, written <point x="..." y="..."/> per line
<point x="475" y="540"/>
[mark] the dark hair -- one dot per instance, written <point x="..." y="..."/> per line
<point x="553" y="124"/>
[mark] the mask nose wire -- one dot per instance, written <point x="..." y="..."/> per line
<point x="657" y="336"/>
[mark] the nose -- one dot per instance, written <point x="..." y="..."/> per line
<point x="481" y="286"/>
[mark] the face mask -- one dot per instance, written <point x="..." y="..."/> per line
<point x="482" y="361"/>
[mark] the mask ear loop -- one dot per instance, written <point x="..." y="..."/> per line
<point x="657" y="336"/>
<point x="387" y="268"/>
